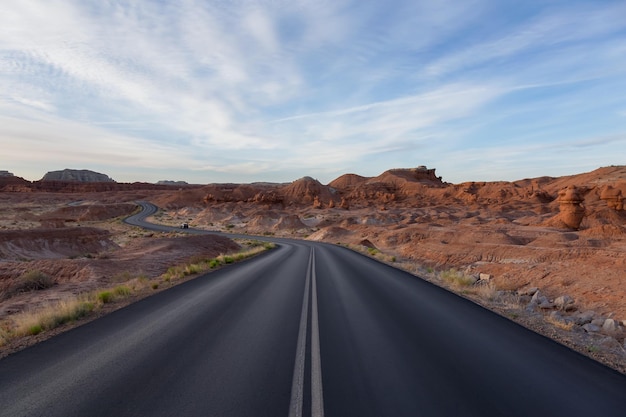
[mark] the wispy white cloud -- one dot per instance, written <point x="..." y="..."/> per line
<point x="279" y="86"/>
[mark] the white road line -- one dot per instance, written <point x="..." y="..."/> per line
<point x="317" y="399"/>
<point x="297" y="385"/>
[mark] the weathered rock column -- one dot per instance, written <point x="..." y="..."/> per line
<point x="571" y="208"/>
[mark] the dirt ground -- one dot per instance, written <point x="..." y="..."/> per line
<point x="518" y="236"/>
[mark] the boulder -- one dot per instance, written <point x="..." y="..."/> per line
<point x="541" y="301"/>
<point x="584" y="317"/>
<point x="591" y="328"/>
<point x="598" y="322"/>
<point x="557" y="317"/>
<point x="530" y="291"/>
<point x="564" y="302"/>
<point x="610" y="326"/>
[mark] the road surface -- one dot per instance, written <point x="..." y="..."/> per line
<point x="307" y="329"/>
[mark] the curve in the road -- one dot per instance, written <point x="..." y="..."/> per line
<point x="308" y="329"/>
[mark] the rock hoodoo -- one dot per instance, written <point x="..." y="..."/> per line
<point x="571" y="208"/>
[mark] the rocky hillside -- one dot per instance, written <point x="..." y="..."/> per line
<point x="9" y="182"/>
<point x="77" y="175"/>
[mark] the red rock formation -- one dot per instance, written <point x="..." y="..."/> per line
<point x="571" y="208"/>
<point x="613" y="197"/>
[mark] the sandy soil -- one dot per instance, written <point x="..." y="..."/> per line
<point x="520" y="234"/>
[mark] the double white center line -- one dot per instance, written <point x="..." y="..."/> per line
<point x="297" y="388"/>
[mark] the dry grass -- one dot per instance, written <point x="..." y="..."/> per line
<point x="559" y="323"/>
<point x="372" y="252"/>
<point x="456" y="278"/>
<point x="504" y="284"/>
<point x="203" y="265"/>
<point x="72" y="309"/>
<point x="4" y="336"/>
<point x="487" y="291"/>
<point x="52" y="315"/>
<point x="34" y="280"/>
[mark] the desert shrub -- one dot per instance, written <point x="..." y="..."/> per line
<point x="155" y="286"/>
<point x="4" y="336"/>
<point x="33" y="281"/>
<point x="373" y="251"/>
<point x="105" y="297"/>
<point x="454" y="277"/>
<point x="173" y="272"/>
<point x="214" y="263"/>
<point x="192" y="269"/>
<point x="35" y="329"/>
<point x="122" y="291"/>
<point x="54" y="315"/>
<point x="487" y="291"/>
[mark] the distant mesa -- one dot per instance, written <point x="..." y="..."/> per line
<point x="169" y="182"/>
<point x="76" y="175"/>
<point x="6" y="174"/>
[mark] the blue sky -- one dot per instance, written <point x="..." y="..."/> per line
<point x="243" y="91"/>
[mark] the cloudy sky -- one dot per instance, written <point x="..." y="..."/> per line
<point x="273" y="90"/>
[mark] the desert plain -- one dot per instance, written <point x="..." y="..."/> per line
<point x="547" y="252"/>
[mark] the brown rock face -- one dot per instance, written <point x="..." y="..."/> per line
<point x="571" y="209"/>
<point x="613" y="197"/>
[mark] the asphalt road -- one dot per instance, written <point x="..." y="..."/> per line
<point x="305" y="329"/>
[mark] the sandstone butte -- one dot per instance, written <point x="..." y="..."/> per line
<point x="565" y="235"/>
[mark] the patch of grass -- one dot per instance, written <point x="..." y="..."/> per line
<point x="155" y="286"/>
<point x="105" y="297"/>
<point x="564" y="325"/>
<point x="4" y="336"/>
<point x="122" y="291"/>
<point x="487" y="291"/>
<point x="455" y="277"/>
<point x="373" y="251"/>
<point x="35" y="329"/>
<point x="202" y="264"/>
<point x="33" y="281"/>
<point x="51" y="316"/>
<point x="192" y="269"/>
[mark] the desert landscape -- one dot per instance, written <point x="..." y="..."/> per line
<point x="547" y="252"/>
